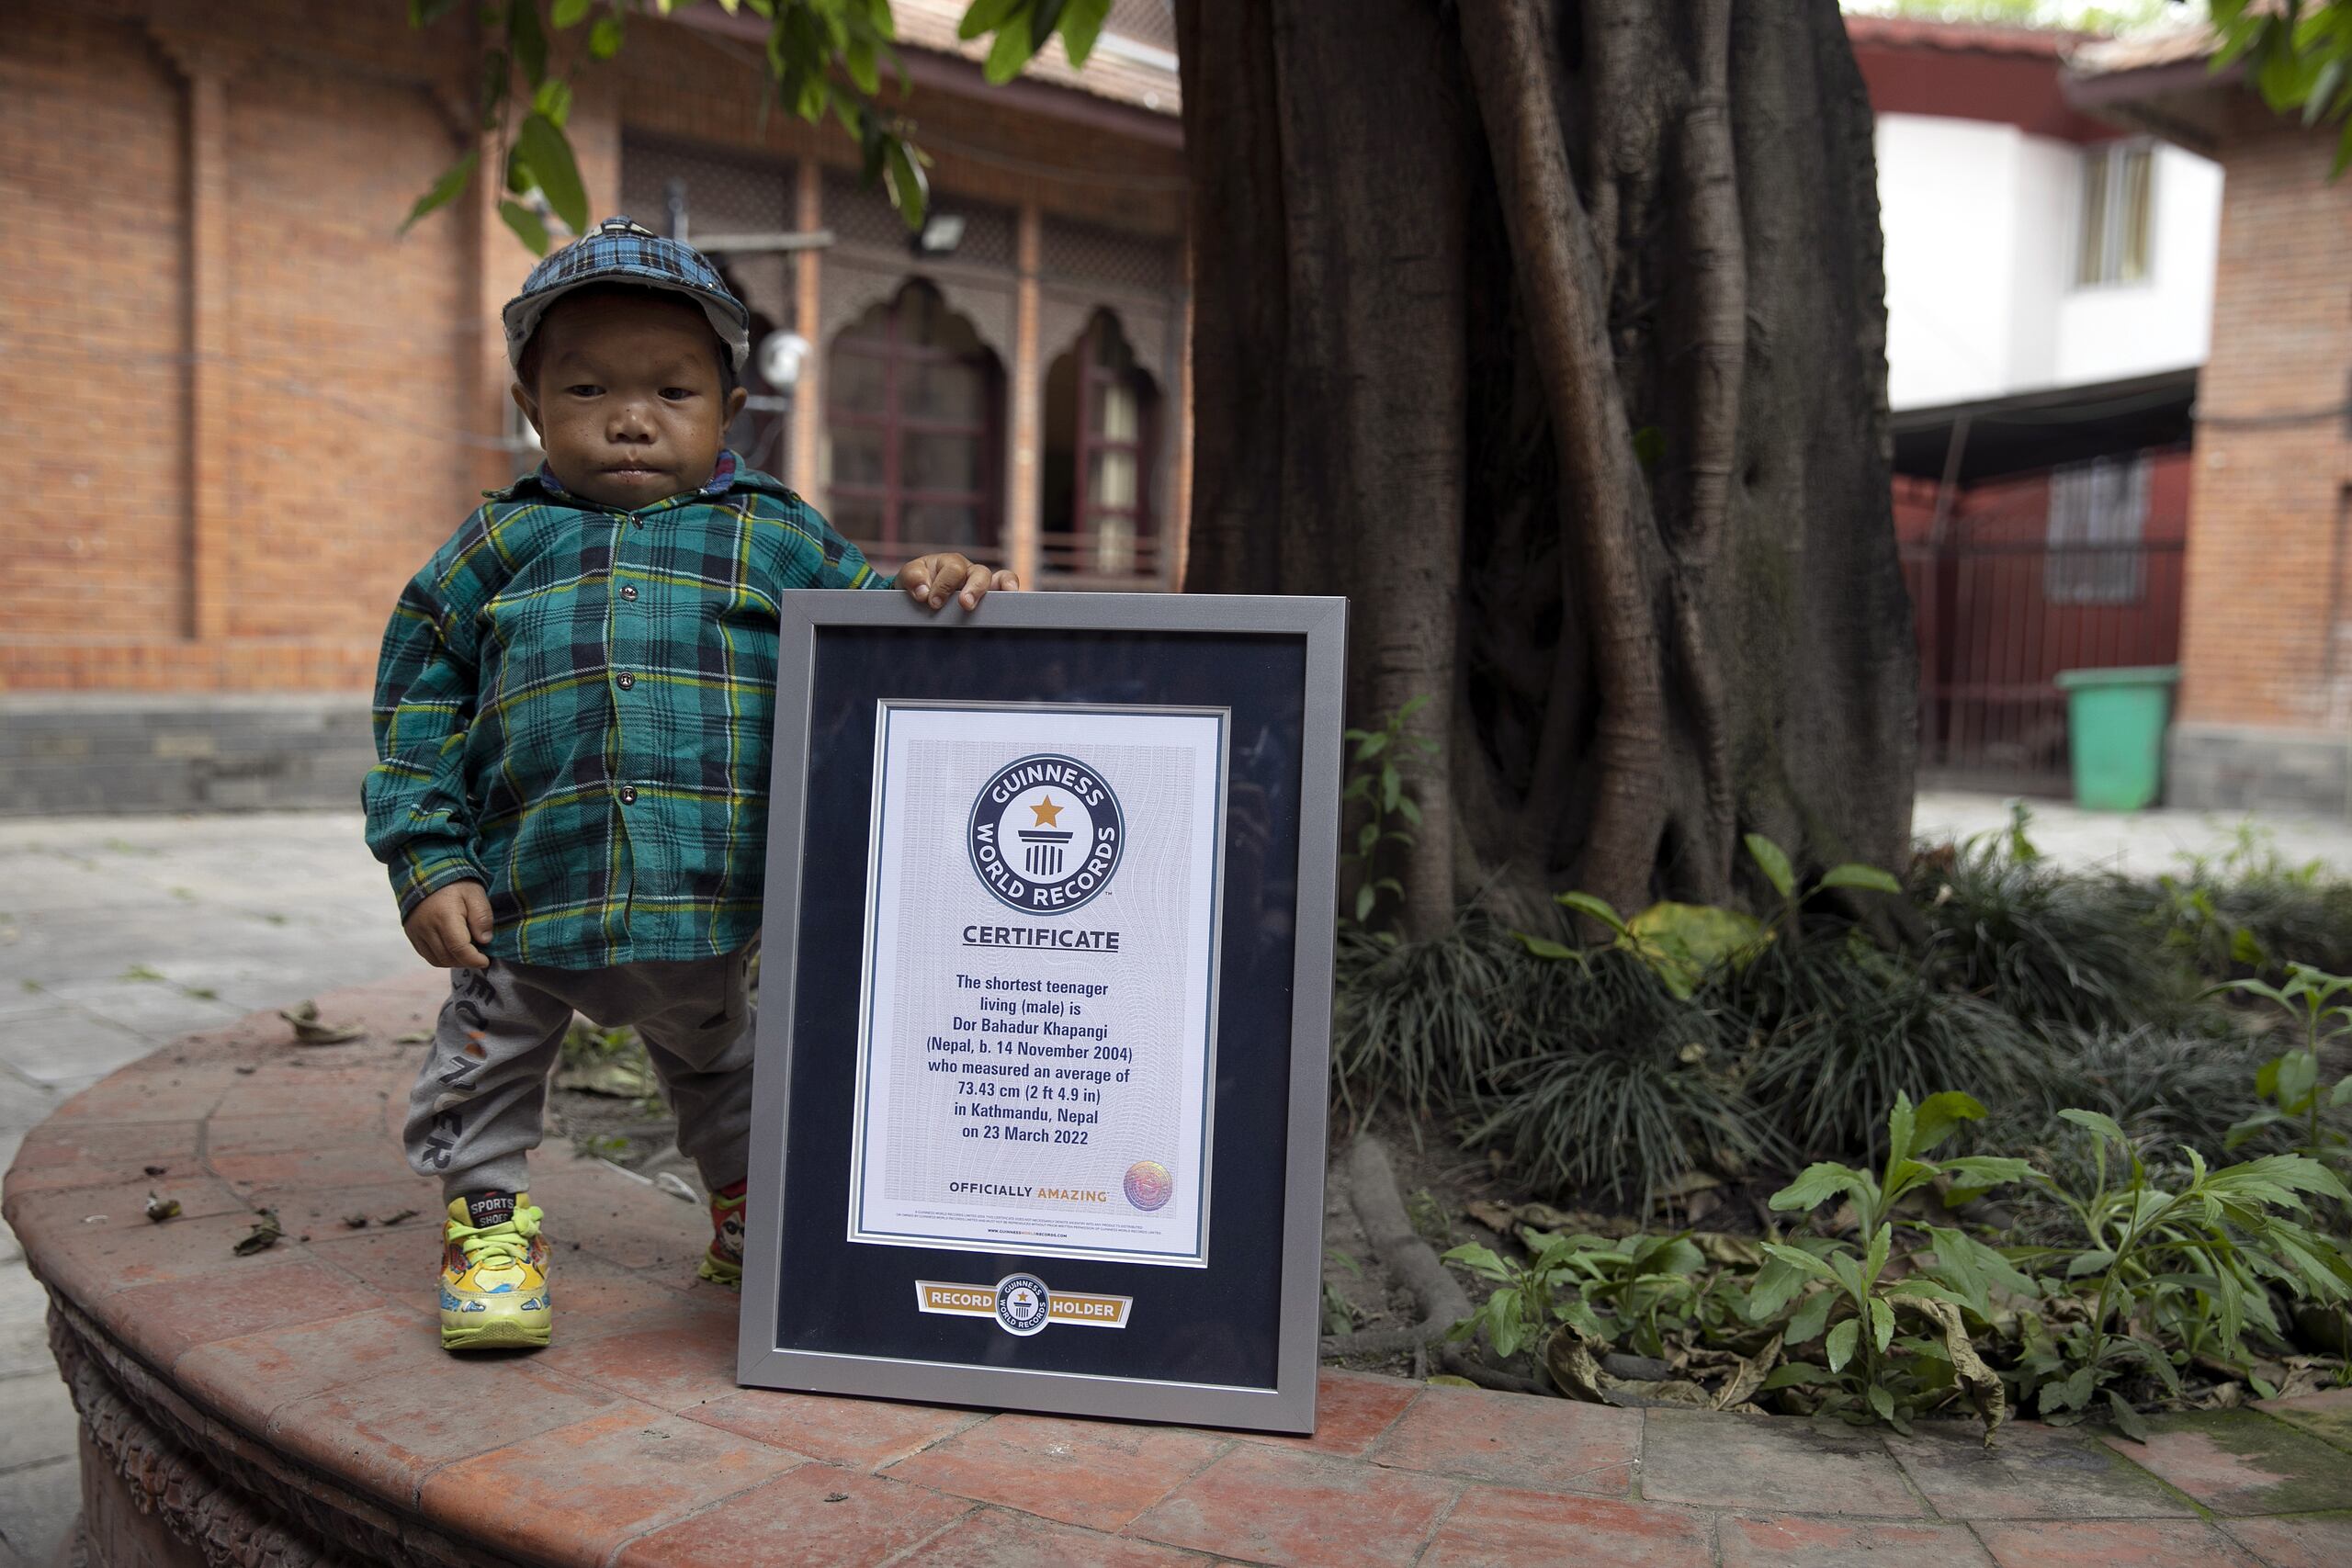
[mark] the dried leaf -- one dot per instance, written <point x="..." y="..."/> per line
<point x="1723" y="1247"/>
<point x="161" y="1209"/>
<point x="396" y="1217"/>
<point x="1447" y="1379"/>
<point x="616" y="1078"/>
<point x="262" y="1237"/>
<point x="1496" y="1217"/>
<point x="356" y="1221"/>
<point x="1574" y="1371"/>
<point x="1748" y="1377"/>
<point x="159" y="1170"/>
<point x="309" y="1031"/>
<point x="1978" y="1382"/>
<point x="413" y="1037"/>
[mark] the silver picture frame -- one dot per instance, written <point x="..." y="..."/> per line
<point x="1288" y="1405"/>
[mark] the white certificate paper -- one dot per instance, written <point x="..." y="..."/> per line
<point x="1036" y="1040"/>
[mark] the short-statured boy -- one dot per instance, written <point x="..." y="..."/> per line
<point x="572" y="716"/>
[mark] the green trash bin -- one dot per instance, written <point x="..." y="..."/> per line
<point x="2115" y="725"/>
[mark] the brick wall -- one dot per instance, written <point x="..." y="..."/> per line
<point x="2269" y="624"/>
<point x="345" y="398"/>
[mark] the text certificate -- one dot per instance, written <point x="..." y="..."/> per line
<point x="1037" y="1021"/>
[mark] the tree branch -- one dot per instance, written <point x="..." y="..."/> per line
<point x="1605" y="502"/>
<point x="1717" y="354"/>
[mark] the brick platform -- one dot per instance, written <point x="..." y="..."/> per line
<point x="294" y="1406"/>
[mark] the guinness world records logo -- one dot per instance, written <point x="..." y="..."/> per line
<point x="1023" y="1305"/>
<point x="1046" y="834"/>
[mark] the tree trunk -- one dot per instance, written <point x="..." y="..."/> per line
<point x="1553" y="337"/>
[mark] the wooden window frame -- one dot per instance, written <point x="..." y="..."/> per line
<point x="892" y="543"/>
<point x="1143" y="450"/>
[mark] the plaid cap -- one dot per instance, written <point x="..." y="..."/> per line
<point x="621" y="250"/>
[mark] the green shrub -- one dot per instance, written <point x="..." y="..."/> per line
<point x="2154" y="1083"/>
<point x="2048" y="948"/>
<point x="1630" y="1092"/>
<point x="1852" y="1027"/>
<point x="1427" y="1023"/>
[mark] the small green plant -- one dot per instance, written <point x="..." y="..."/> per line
<point x="2193" y="1265"/>
<point x="1854" y="1310"/>
<point x="1377" y="785"/>
<point x="2289" y="1081"/>
<point x="1338" y="1313"/>
<point x="1686" y="943"/>
<point x="1602" y="1289"/>
<point x="142" y="972"/>
<point x="610" y="1062"/>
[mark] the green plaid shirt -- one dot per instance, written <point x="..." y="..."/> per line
<point x="573" y="707"/>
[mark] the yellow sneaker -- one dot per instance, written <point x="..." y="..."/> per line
<point x="723" y="1264"/>
<point x="493" y="1274"/>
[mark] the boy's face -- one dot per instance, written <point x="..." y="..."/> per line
<point x="626" y="399"/>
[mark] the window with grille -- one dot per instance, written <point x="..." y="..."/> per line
<point x="1101" y="419"/>
<point x="915" y="403"/>
<point x="2098" y="511"/>
<point x="2119" y="198"/>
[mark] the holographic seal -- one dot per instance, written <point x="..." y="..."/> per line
<point x="1148" y="1185"/>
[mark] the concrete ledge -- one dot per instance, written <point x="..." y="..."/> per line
<point x="294" y="1409"/>
<point x="112" y="753"/>
<point x="2241" y="767"/>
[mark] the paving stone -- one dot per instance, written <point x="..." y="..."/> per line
<point x="2327" y="1415"/>
<point x="573" y="1493"/>
<point x="163" y="1322"/>
<point x="1494" y="1526"/>
<point x="864" y="1434"/>
<point x="388" y="1431"/>
<point x="1767" y="1463"/>
<point x="2112" y="1543"/>
<point x="1352" y="1410"/>
<point x="684" y="1358"/>
<point x="37" y="1418"/>
<point x="1266" y="1505"/>
<point x="2298" y="1541"/>
<point x="1099" y="1474"/>
<point x="1802" y="1542"/>
<point x="2241" y="1461"/>
<point x="64" y="1156"/>
<point x="2031" y="1472"/>
<point x="38" y="1505"/>
<point x="24" y="1322"/>
<point x="814" y="1516"/>
<point x="997" y="1538"/>
<point x="252" y="1377"/>
<point x="66" y="1044"/>
<point x="1555" y="1445"/>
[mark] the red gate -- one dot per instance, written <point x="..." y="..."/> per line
<point x="2007" y="592"/>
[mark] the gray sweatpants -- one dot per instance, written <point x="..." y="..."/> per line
<point x="481" y="1097"/>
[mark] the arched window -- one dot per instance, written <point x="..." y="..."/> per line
<point x="916" y="410"/>
<point x="1100" y="442"/>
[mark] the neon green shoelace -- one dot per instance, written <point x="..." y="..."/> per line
<point x="503" y="1246"/>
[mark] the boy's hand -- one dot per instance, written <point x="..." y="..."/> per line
<point x="446" y="926"/>
<point x="932" y="579"/>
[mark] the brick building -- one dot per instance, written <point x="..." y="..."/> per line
<point x="242" y="411"/>
<point x="2265" y="712"/>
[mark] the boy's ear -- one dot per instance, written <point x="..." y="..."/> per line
<point x="530" y="407"/>
<point x="735" y="401"/>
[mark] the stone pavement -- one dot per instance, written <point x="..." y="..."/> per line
<point x="119" y="935"/>
<point x="315" y="1366"/>
<point x="2141" y="843"/>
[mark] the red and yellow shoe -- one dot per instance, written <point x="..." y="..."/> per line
<point x="493" y="1274"/>
<point x="723" y="1264"/>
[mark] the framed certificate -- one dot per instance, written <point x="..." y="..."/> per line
<point x="1046" y="992"/>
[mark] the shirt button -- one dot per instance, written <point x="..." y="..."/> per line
<point x="625" y="681"/>
<point x="629" y="591"/>
<point x="628" y="794"/>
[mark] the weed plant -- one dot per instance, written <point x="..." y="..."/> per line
<point x="2049" y="950"/>
<point x="1427" y="1024"/>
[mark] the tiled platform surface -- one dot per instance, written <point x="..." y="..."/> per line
<point x="294" y="1406"/>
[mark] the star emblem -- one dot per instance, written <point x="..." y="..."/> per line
<point x="1048" y="814"/>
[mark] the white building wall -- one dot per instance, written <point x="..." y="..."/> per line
<point x="1981" y="226"/>
<point x="2165" y="321"/>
